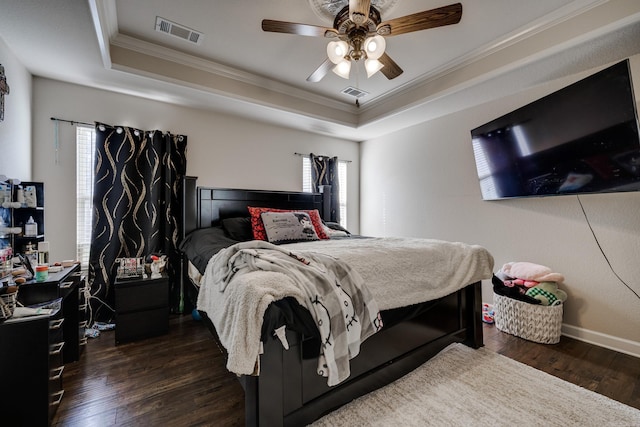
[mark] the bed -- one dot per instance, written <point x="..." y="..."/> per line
<point x="288" y="390"/>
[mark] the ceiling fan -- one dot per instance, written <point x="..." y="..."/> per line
<point x="358" y="33"/>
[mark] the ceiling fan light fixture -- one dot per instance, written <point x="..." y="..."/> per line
<point x="343" y="68"/>
<point x="372" y="66"/>
<point x="375" y="46"/>
<point x="359" y="27"/>
<point x="336" y="51"/>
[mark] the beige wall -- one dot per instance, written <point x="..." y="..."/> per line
<point x="222" y="151"/>
<point x="422" y="182"/>
<point x="15" y="130"/>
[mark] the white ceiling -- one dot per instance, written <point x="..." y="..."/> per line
<point x="238" y="68"/>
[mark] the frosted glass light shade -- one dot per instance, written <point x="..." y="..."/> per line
<point x="343" y="68"/>
<point x="336" y="51"/>
<point x="375" y="46"/>
<point x="372" y="66"/>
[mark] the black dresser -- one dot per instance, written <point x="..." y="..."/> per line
<point x="31" y="357"/>
<point x="68" y="284"/>
<point x="35" y="349"/>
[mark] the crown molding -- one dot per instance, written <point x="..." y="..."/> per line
<point x="198" y="63"/>
<point x="215" y="78"/>
<point x="444" y="78"/>
<point x="516" y="49"/>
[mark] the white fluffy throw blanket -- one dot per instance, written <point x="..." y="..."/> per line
<point x="242" y="280"/>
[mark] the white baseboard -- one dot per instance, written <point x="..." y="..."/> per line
<point x="621" y="345"/>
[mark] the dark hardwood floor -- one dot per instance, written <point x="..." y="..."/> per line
<point x="180" y="380"/>
<point x="177" y="379"/>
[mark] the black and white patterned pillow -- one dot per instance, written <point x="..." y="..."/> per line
<point x="288" y="227"/>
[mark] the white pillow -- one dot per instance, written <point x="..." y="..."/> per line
<point x="288" y="227"/>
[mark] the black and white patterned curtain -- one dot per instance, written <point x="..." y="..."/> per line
<point x="324" y="171"/>
<point x="136" y="206"/>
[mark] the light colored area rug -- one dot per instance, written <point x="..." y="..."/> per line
<point x="465" y="387"/>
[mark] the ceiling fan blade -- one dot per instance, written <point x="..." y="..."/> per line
<point x="359" y="11"/>
<point x="299" y="29"/>
<point x="438" y="17"/>
<point x="321" y="71"/>
<point x="391" y="70"/>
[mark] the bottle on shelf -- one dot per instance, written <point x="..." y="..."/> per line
<point x="30" y="198"/>
<point x="30" y="228"/>
<point x="43" y="253"/>
<point x="20" y="196"/>
<point x="31" y="253"/>
<point x="5" y="192"/>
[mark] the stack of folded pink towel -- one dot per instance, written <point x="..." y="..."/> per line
<point x="529" y="282"/>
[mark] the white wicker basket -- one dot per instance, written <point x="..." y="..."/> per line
<point x="538" y="323"/>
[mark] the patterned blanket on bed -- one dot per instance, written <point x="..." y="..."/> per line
<point x="242" y="280"/>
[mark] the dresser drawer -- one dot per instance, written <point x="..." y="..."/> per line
<point x="37" y="293"/>
<point x="55" y="386"/>
<point x="55" y="379"/>
<point x="141" y="324"/>
<point x="141" y="295"/>
<point x="54" y="402"/>
<point x="55" y="329"/>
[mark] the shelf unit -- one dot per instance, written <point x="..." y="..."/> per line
<point x="17" y="217"/>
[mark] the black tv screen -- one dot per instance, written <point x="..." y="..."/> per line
<point x="580" y="139"/>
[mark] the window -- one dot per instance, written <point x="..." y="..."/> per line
<point x="342" y="181"/>
<point x="85" y="158"/>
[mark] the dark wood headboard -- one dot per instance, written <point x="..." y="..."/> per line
<point x="206" y="206"/>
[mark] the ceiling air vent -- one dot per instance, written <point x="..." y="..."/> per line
<point x="352" y="91"/>
<point x="177" y="30"/>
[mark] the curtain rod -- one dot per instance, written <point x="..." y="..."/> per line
<point x="75" y="122"/>
<point x="56" y="136"/>
<point x="72" y="122"/>
<point x="306" y="155"/>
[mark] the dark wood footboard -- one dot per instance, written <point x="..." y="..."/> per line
<point x="289" y="392"/>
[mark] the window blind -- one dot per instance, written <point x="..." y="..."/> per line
<point x="85" y="156"/>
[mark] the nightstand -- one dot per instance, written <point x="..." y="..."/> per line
<point x="142" y="308"/>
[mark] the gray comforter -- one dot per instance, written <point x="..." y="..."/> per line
<point x="401" y="271"/>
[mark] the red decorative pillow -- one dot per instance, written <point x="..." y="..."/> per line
<point x="257" y="225"/>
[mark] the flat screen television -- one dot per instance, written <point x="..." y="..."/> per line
<point x="580" y="139"/>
